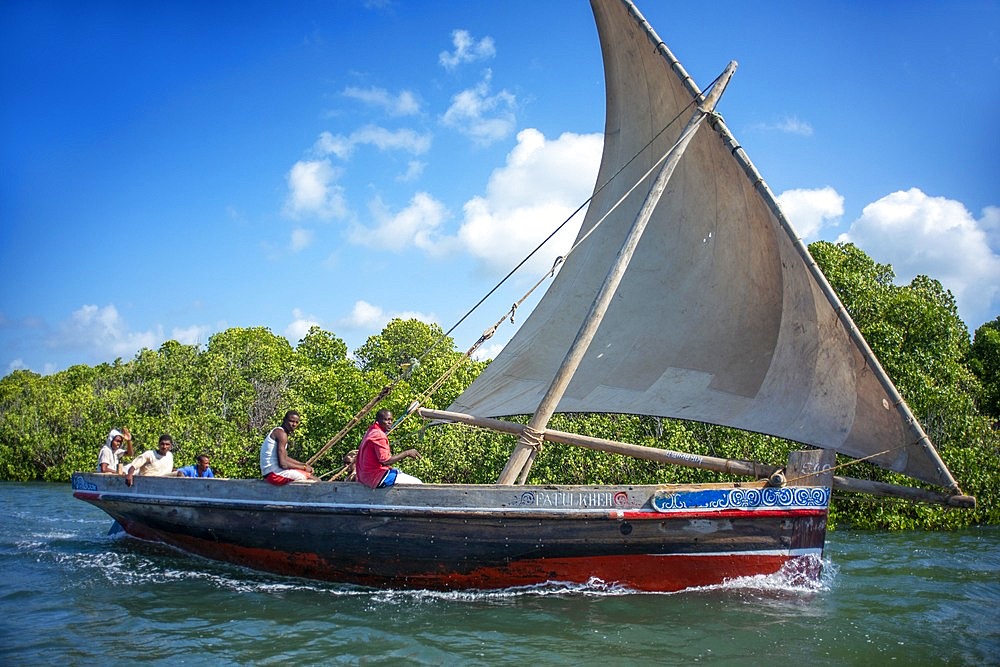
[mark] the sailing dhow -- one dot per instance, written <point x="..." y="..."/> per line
<point x="687" y="295"/>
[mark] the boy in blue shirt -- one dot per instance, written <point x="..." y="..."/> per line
<point x="201" y="469"/>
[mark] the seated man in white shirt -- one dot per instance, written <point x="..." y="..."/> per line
<point x="150" y="463"/>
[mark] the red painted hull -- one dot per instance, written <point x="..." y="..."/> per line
<point x="641" y="572"/>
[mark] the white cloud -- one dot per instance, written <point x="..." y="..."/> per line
<point x="372" y="319"/>
<point x="365" y="316"/>
<point x="414" y="170"/>
<point x="990" y="224"/>
<point x="487" y="352"/>
<point x="402" y="104"/>
<point x="788" y="125"/>
<point x="192" y="335"/>
<point x="301" y="238"/>
<point x="329" y="144"/>
<point x="415" y="225"/>
<point x="312" y="191"/>
<point x="940" y="238"/>
<point x="811" y="210"/>
<point x="373" y="135"/>
<point x="102" y="333"/>
<point x="300" y="326"/>
<point x="483" y="117"/>
<point x="541" y="184"/>
<point x="467" y="50"/>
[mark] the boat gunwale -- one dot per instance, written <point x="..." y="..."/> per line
<point x="442" y="511"/>
<point x="479" y="507"/>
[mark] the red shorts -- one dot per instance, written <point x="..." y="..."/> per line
<point x="286" y="476"/>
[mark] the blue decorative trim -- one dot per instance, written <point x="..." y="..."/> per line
<point x="785" y="498"/>
<point x="80" y="484"/>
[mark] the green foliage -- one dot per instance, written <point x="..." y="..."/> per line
<point x="246" y="373"/>
<point x="320" y="349"/>
<point x="223" y="398"/>
<point x="402" y="342"/>
<point x="984" y="362"/>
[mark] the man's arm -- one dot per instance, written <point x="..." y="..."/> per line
<point x="127" y="437"/>
<point x="284" y="460"/>
<point x="408" y="454"/>
<point x="134" y="467"/>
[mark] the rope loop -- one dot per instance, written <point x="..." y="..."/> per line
<point x="533" y="438"/>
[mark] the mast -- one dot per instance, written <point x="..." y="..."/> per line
<point x="520" y="459"/>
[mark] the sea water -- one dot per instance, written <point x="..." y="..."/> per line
<point x="72" y="594"/>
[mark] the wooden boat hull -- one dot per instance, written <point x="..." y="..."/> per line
<point x="646" y="538"/>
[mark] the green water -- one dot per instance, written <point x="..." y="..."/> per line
<point x="71" y="595"/>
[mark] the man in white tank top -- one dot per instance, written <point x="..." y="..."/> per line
<point x="276" y="466"/>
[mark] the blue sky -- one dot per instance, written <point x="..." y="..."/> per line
<point x="170" y="170"/>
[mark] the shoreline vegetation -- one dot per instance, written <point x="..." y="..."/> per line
<point x="222" y="398"/>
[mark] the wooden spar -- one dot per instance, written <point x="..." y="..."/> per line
<point x="753" y="469"/>
<point x="896" y="491"/>
<point x="531" y="437"/>
<point x="733" y="466"/>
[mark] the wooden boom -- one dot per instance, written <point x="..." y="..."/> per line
<point x="753" y="469"/>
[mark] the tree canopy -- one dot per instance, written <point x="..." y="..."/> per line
<point x="984" y="362"/>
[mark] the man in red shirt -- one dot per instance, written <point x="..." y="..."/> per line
<point x="375" y="459"/>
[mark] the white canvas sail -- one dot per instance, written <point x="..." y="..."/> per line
<point x="720" y="317"/>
